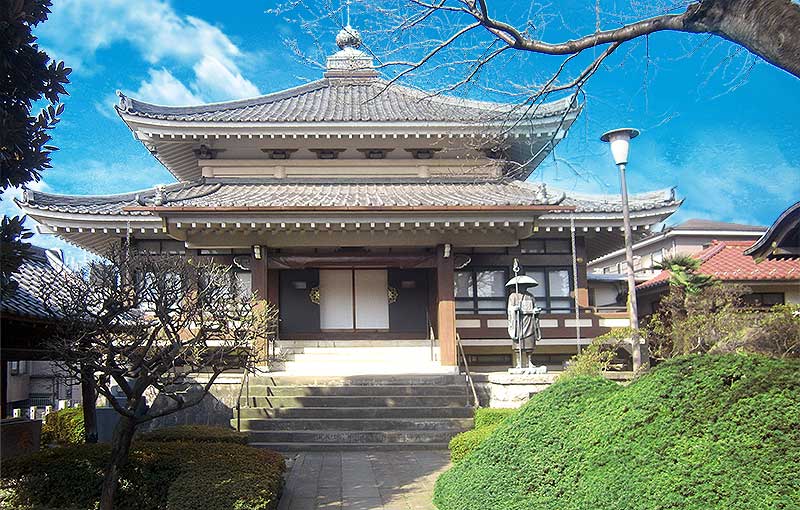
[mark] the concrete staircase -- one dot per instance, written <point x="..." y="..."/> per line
<point x="288" y="412"/>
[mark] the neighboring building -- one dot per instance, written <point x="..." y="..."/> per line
<point x="782" y="240"/>
<point x="607" y="274"/>
<point x="27" y="379"/>
<point x="771" y="282"/>
<point x="369" y="211"/>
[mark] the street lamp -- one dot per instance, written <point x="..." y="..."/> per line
<point x="619" y="139"/>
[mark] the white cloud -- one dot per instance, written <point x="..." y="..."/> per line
<point x="164" y="88"/>
<point x="214" y="77"/>
<point x="81" y="28"/>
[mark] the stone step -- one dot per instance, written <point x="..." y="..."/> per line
<point x="357" y="367"/>
<point x="344" y="344"/>
<point x="355" y="412"/>
<point x="260" y="390"/>
<point x="333" y="447"/>
<point x="357" y="401"/>
<point x="360" y="424"/>
<point x="406" y="379"/>
<point x="352" y="436"/>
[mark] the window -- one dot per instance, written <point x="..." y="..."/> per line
<point x="17" y="367"/>
<point x="546" y="246"/>
<point x="480" y="291"/>
<point x="553" y="292"/>
<point x="763" y="299"/>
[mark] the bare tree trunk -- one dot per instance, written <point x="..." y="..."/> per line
<point x="767" y="28"/>
<point x="89" y="398"/>
<point x="120" y="447"/>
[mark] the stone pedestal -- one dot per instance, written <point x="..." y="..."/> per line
<point x="513" y="390"/>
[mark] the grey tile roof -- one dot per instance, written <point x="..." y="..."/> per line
<point x="27" y="299"/>
<point x="347" y="100"/>
<point x="596" y="203"/>
<point x="700" y="224"/>
<point x="239" y="192"/>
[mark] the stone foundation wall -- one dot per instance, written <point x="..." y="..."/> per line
<point x="216" y="408"/>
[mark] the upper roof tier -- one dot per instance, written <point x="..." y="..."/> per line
<point x="347" y="100"/>
<point x="351" y="106"/>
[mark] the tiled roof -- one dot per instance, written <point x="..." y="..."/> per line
<point x="613" y="203"/>
<point x="700" y="224"/>
<point x="347" y="100"/>
<point x="726" y="261"/>
<point x="280" y="193"/>
<point x="26" y="300"/>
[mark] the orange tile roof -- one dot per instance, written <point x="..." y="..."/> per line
<point x="726" y="261"/>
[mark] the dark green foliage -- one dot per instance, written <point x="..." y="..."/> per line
<point x="64" y="427"/>
<point x="13" y="250"/>
<point x="487" y="420"/>
<point x="683" y="271"/>
<point x="166" y="475"/>
<point x="28" y="76"/>
<point x="195" y="433"/>
<point x="698" y="432"/>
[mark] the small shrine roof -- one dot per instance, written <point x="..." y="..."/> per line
<point x="218" y="194"/>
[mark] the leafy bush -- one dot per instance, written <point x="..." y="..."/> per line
<point x="196" y="434"/>
<point x="714" y="320"/>
<point x="466" y="442"/>
<point x="165" y="475"/>
<point x="490" y="415"/>
<point x="697" y="432"/>
<point x="776" y="333"/>
<point x="486" y="421"/>
<point x="64" y="427"/>
<point x="598" y="356"/>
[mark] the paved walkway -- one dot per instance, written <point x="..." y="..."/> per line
<point x="390" y="480"/>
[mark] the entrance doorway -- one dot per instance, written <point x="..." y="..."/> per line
<point x="354" y="299"/>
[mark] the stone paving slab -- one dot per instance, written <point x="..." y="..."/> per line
<point x="368" y="480"/>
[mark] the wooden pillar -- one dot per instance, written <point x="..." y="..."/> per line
<point x="258" y="274"/>
<point x="445" y="307"/>
<point x="583" y="282"/>
<point x="3" y="387"/>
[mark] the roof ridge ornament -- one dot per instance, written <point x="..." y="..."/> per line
<point x="350" y="61"/>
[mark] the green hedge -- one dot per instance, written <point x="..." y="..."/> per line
<point x="486" y="421"/>
<point x="491" y="415"/>
<point x="195" y="433"/>
<point x="64" y="427"/>
<point x="165" y="475"/>
<point x="697" y="432"/>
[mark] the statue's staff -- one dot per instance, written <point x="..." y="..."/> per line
<point x="518" y="313"/>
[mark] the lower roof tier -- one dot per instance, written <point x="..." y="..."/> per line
<point x="217" y="194"/>
<point x="451" y="208"/>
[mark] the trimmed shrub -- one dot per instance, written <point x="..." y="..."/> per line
<point x="465" y="443"/>
<point x="165" y="475"/>
<point x="697" y="432"/>
<point x="195" y="434"/>
<point x="490" y="415"/>
<point x="486" y="421"/>
<point x="64" y="427"/>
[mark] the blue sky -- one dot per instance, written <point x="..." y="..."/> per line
<point x="717" y="123"/>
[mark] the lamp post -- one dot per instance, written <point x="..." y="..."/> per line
<point x="619" y="139"/>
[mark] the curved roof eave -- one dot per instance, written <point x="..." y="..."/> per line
<point x="788" y="220"/>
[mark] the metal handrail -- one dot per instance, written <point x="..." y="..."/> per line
<point x="476" y="401"/>
<point x="245" y="381"/>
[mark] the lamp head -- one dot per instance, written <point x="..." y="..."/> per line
<point x="620" y="143"/>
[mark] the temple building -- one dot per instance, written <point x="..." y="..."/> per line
<point x="370" y="211"/>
